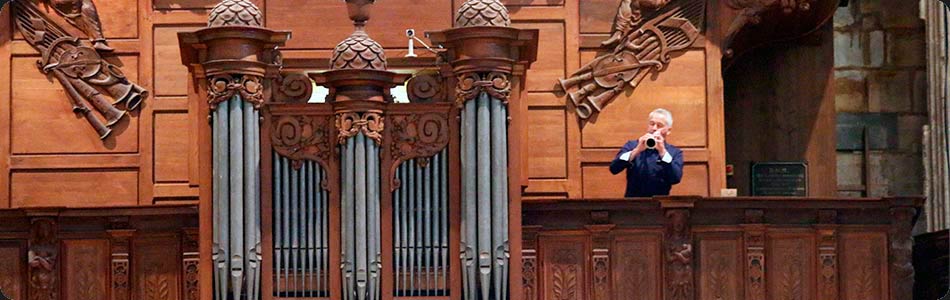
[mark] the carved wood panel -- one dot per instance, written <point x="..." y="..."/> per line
<point x="564" y="274"/>
<point x="863" y="266"/>
<point x="636" y="265"/>
<point x="720" y="268"/>
<point x="157" y="263"/>
<point x="86" y="269"/>
<point x="791" y="266"/>
<point x="13" y="266"/>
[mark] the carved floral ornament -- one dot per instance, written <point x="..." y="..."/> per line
<point x="225" y="86"/>
<point x="302" y="138"/>
<point x="417" y="135"/>
<point x="495" y="84"/>
<point x="349" y="124"/>
<point x="646" y="35"/>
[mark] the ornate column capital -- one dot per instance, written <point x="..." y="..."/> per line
<point x="234" y="53"/>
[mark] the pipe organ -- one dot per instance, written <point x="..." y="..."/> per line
<point x="360" y="197"/>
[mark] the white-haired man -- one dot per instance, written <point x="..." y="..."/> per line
<point x="652" y="165"/>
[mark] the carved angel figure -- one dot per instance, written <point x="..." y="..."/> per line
<point x="637" y="47"/>
<point x="83" y="15"/>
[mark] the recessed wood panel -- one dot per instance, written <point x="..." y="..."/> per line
<point x="171" y="76"/>
<point x="720" y="269"/>
<point x="74" y="189"/>
<point x="86" y="269"/>
<point x="43" y="120"/>
<point x="550" y="65"/>
<point x="863" y="265"/>
<point x="119" y="18"/>
<point x="564" y="271"/>
<point x="596" y="16"/>
<point x="681" y="89"/>
<point x="171" y="147"/>
<point x="636" y="265"/>
<point x="790" y="261"/>
<point x="547" y="147"/>
<point x="323" y="24"/>
<point x="156" y="261"/>
<point x="599" y="183"/>
<point x="13" y="266"/>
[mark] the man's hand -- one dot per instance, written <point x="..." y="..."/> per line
<point x="641" y="146"/>
<point x="660" y="144"/>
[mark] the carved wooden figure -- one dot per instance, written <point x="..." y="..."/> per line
<point x="679" y="256"/>
<point x="43" y="258"/>
<point x="83" y="15"/>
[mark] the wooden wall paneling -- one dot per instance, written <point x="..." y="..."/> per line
<point x="564" y="273"/>
<point x="791" y="265"/>
<point x="43" y="121"/>
<point x="715" y="108"/>
<point x="86" y="268"/>
<point x="6" y="94"/>
<point x="146" y="114"/>
<point x="321" y="24"/>
<point x="547" y="135"/>
<point x="636" y="267"/>
<point x="864" y="268"/>
<point x="12" y="281"/>
<point x="719" y="271"/>
<point x="156" y="264"/>
<point x="74" y="188"/>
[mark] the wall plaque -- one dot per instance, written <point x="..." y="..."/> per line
<point x="780" y="179"/>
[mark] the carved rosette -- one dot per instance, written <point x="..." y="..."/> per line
<point x="43" y="260"/>
<point x="293" y="88"/>
<point x="417" y="135"/>
<point x="470" y="85"/>
<point x="302" y="138"/>
<point x="119" y="264"/>
<point x="190" y="259"/>
<point x="223" y="87"/>
<point x="901" y="252"/>
<point x="235" y="13"/>
<point x="679" y="256"/>
<point x="349" y="124"/>
<point x="425" y="88"/>
<point x="529" y="260"/>
<point x="482" y="13"/>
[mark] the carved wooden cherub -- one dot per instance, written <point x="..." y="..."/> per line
<point x="629" y="15"/>
<point x="83" y="15"/>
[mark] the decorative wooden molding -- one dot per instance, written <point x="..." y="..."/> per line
<point x="827" y="262"/>
<point x="901" y="252"/>
<point x="87" y="78"/>
<point x="121" y="244"/>
<point x="754" y="235"/>
<point x="634" y="50"/>
<point x="565" y="273"/>
<point x="223" y="87"/>
<point x="294" y="87"/>
<point x="470" y="85"/>
<point x="303" y="137"/>
<point x="416" y="135"/>
<point x="43" y="259"/>
<point x="529" y="261"/>
<point x="426" y="87"/>
<point x="189" y="264"/>
<point x="600" y="257"/>
<point x="370" y="123"/>
<point x="679" y="256"/>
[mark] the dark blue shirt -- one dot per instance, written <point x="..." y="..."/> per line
<point x="648" y="175"/>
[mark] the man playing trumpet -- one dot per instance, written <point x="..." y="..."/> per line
<point x="652" y="165"/>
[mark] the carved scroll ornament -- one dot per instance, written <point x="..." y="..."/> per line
<point x="425" y="88"/>
<point x="417" y="135"/>
<point x="349" y="124"/>
<point x="86" y="77"/>
<point x="636" y="48"/>
<point x="293" y="88"/>
<point x="302" y="138"/>
<point x="495" y="84"/>
<point x="223" y="87"/>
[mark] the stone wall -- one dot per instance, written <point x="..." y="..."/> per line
<point x="881" y="89"/>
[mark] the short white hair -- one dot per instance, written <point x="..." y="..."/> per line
<point x="665" y="114"/>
